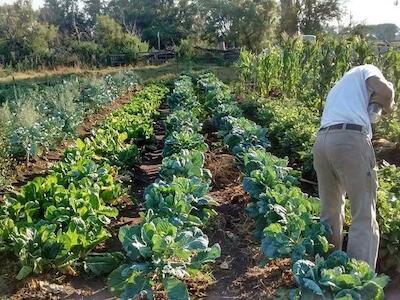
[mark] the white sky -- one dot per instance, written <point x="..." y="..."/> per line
<point x="363" y="11"/>
<point x="372" y="11"/>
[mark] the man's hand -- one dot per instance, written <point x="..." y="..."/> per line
<point x="383" y="93"/>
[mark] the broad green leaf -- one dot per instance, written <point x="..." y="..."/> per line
<point x="313" y="286"/>
<point x="347" y="281"/>
<point x="207" y="256"/>
<point x="80" y="145"/>
<point x="348" y="294"/>
<point x="23" y="272"/>
<point x="127" y="274"/>
<point x="371" y="290"/>
<point x="103" y="263"/>
<point x="176" y="289"/>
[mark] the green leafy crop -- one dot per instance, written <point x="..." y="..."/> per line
<point x="168" y="246"/>
<point x="185" y="164"/>
<point x="337" y="277"/>
<point x="55" y="221"/>
<point x="158" y="250"/>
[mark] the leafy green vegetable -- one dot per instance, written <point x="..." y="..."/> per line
<point x="183" y="201"/>
<point x="177" y="141"/>
<point x="168" y="245"/>
<point x="338" y="277"/>
<point x="184" y="96"/>
<point x="182" y="120"/>
<point x="388" y="206"/>
<point x="103" y="263"/>
<point x="158" y="250"/>
<point x="184" y="164"/>
<point x="55" y="221"/>
<point x="240" y="134"/>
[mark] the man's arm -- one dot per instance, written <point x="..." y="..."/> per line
<point x="383" y="92"/>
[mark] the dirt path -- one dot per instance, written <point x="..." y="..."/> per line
<point x="237" y="273"/>
<point x="147" y="172"/>
<point x="54" y="285"/>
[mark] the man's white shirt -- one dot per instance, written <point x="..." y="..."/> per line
<point x="348" y="100"/>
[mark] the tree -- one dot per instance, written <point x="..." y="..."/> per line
<point x="256" y="23"/>
<point x="308" y="16"/>
<point x="315" y="14"/>
<point x="385" y="32"/>
<point x="247" y="23"/>
<point x="92" y="9"/>
<point x="65" y="14"/>
<point x="170" y="19"/>
<point x="112" y="39"/>
<point x="21" y="32"/>
<point x="289" y="17"/>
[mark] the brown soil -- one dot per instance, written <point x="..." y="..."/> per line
<point x="147" y="172"/>
<point x="54" y="285"/>
<point x="237" y="274"/>
<point x="39" y="166"/>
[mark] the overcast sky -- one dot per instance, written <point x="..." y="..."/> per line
<point x="367" y="11"/>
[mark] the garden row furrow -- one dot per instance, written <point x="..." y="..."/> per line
<point x="57" y="220"/>
<point x="286" y="219"/>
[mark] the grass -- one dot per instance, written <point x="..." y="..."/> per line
<point x="37" y="75"/>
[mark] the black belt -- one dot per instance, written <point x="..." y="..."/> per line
<point x="344" y="126"/>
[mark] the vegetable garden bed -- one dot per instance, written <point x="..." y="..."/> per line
<point x="36" y="119"/>
<point x="208" y="194"/>
<point x="87" y="175"/>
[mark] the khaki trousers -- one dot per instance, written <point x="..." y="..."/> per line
<point x="345" y="164"/>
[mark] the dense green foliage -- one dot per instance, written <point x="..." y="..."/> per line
<point x="308" y="16"/>
<point x="291" y="129"/>
<point x="55" y="221"/>
<point x="240" y="133"/>
<point x="337" y="277"/>
<point x="288" y="225"/>
<point x="297" y="76"/>
<point x="384" y="32"/>
<point x="29" y="38"/>
<point x="388" y="209"/>
<point x="187" y="163"/>
<point x="168" y="245"/>
<point x="303" y="71"/>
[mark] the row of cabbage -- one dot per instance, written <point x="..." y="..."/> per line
<point x="35" y="119"/>
<point x="286" y="218"/>
<point x="56" y="220"/>
<point x="168" y="247"/>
